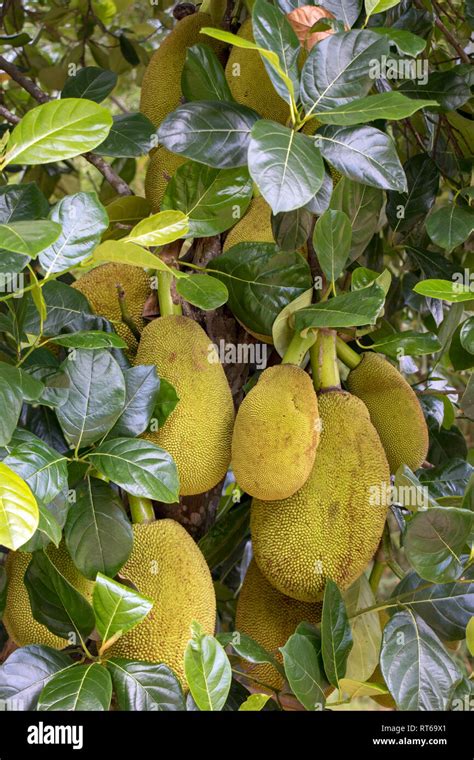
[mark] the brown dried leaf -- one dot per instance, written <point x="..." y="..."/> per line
<point x="303" y="19"/>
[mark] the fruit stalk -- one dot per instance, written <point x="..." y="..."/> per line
<point x="346" y="354"/>
<point x="324" y="361"/>
<point x="165" y="299"/>
<point x="141" y="509"/>
<point x="298" y="348"/>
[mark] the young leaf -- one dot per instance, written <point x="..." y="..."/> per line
<point x="255" y="702"/>
<point x="117" y="608"/>
<point x="81" y="687"/>
<point x="336" y="634"/>
<point x="249" y="649"/>
<point x="138" y="466"/>
<point x="145" y="687"/>
<point x="26" y="672"/>
<point x="366" y="631"/>
<point x="98" y="535"/>
<point x="19" y="514"/>
<point x="207" y="669"/>
<point x="453" y="292"/>
<point x="28" y="238"/>
<point x="58" y="130"/>
<point x="159" y="229"/>
<point x="124" y="252"/>
<point x="302" y="671"/>
<point x="39" y="465"/>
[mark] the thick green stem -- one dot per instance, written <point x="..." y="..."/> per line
<point x="125" y="314"/>
<point x="141" y="509"/>
<point x="347" y="355"/>
<point x="376" y="574"/>
<point x="324" y="362"/>
<point x="298" y="348"/>
<point x="165" y="280"/>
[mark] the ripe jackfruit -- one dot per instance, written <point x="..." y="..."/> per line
<point x="332" y="526"/>
<point x="394" y="410"/>
<point x="270" y="618"/>
<point x="99" y="286"/>
<point x="198" y="432"/>
<point x="18" y="618"/>
<point x="249" y="82"/>
<point x="276" y="433"/>
<point x="254" y="227"/>
<point x="167" y="566"/>
<point x="161" y="85"/>
<point x="161" y="168"/>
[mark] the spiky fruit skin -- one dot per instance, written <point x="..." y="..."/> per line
<point x="276" y="434"/>
<point x="167" y="567"/>
<point x="161" y="85"/>
<point x="161" y="168"/>
<point x="249" y="82"/>
<point x="18" y="619"/>
<point x="270" y="618"/>
<point x="99" y="286"/>
<point x="198" y="432"/>
<point x="394" y="410"/>
<point x="332" y="526"/>
<point x="255" y="225"/>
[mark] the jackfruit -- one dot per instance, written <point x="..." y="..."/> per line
<point x="270" y="618"/>
<point x="198" y="432"/>
<point x="332" y="526"/>
<point x="161" y="85"/>
<point x="276" y="433"/>
<point x="18" y="618"/>
<point x="394" y="410"/>
<point x="249" y="82"/>
<point x="167" y="567"/>
<point x="99" y="286"/>
<point x="161" y="168"/>
<point x="254" y="227"/>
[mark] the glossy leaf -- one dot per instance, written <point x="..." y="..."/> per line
<point x="404" y="210"/>
<point x="387" y="105"/>
<point x="332" y="242"/>
<point x="362" y="205"/>
<point x="272" y="31"/>
<point x="90" y="340"/>
<point x="26" y="672"/>
<point x="203" y="77"/>
<point x="158" y="229"/>
<point x="145" y="687"/>
<point x="28" y="238"/>
<point x="450" y="226"/>
<point x="203" y="291"/>
<point x="336" y="634"/>
<point x="19" y="513"/>
<point x="453" y="292"/>
<point x="117" y="608"/>
<point x="207" y="669"/>
<point x="410" y="342"/>
<point x="142" y="386"/>
<point x="366" y="631"/>
<point x="131" y="135"/>
<point x="90" y="82"/>
<point x="434" y="542"/>
<point x="82" y="687"/>
<point x="43" y="469"/>
<point x="348" y="310"/>
<point x="302" y="671"/>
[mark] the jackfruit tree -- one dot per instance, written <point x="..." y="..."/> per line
<point x="236" y="344"/>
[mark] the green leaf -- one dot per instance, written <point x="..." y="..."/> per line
<point x="404" y="210"/>
<point x="123" y="252"/>
<point x="272" y="31"/>
<point x="338" y="69"/>
<point x="406" y="42"/>
<point x="90" y="82"/>
<point x="82" y="687"/>
<point x="302" y="671"/>
<point x="19" y="514"/>
<point x="117" y="608"/>
<point x="410" y="493"/>
<point x="254" y="703"/>
<point x="142" y="388"/>
<point x="249" y="649"/>
<point x="228" y="531"/>
<point x="364" y="154"/>
<point x="410" y="342"/>
<point x="285" y="165"/>
<point x="379" y="6"/>
<point x="362" y="204"/>
<point x="291" y="229"/>
<point x="131" y="135"/>
<point x="467" y="335"/>
<point x="336" y="634"/>
<point x="216" y="134"/>
<point x="25" y="673"/>
<point x="207" y="669"/>
<point x="453" y="292"/>
<point x="447" y="87"/>
<point x="128" y="209"/>
<point x="434" y="542"/>
<point x="387" y="105"/>
<point x="345" y="10"/>
<point x="90" y="340"/>
<point x="48" y="531"/>
<point x="67" y="309"/>
<point x="448" y="479"/>
<point x="43" y="469"/>
<point x="203" y="291"/>
<point x="203" y="77"/>
<point x="22" y="203"/>
<point x="165" y="402"/>
<point x="98" y="534"/>
<point x="366" y="631"/>
<point x="55" y="602"/>
<point x="332" y="242"/>
<point x="470" y="636"/>
<point x="28" y="238"/>
<point x="450" y="226"/>
<point x="159" y="229"/>
<point x="212" y="199"/>
<point x="261" y="281"/>
<point x="348" y="310"/>
<point x="58" y="130"/>
<point x="144" y="687"/>
<point x="363" y="278"/>
<point x="417" y="669"/>
<point x="96" y="396"/>
<point x="140" y="467"/>
<point x="83" y="220"/>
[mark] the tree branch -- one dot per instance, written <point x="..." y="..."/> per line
<point x="8" y="115"/>
<point x="445" y="32"/>
<point x="109" y="174"/>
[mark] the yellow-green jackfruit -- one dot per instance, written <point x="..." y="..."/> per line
<point x="198" y="432"/>
<point x="276" y="433"/>
<point x="99" y="286"/>
<point x="254" y="227"/>
<point x="270" y="618"/>
<point x="249" y="82"/>
<point x="161" y="168"/>
<point x="161" y="85"/>
<point x="18" y="618"/>
<point x="394" y="410"/>
<point x="332" y="526"/>
<point x="167" y="567"/>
